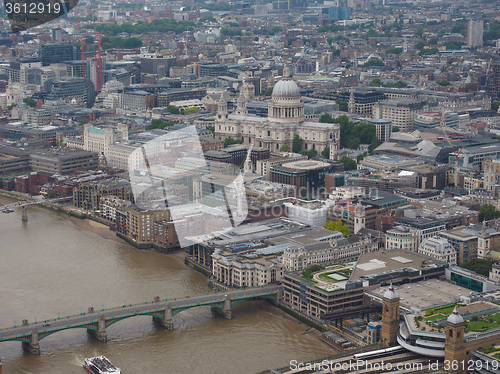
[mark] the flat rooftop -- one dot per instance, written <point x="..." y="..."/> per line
<point x="426" y="294"/>
<point x="371" y="265"/>
<point x="306" y="164"/>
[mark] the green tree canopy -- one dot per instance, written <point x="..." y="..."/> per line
<point x="310" y="270"/>
<point x="159" y="124"/>
<point x="374" y="62"/>
<point x="297" y="144"/>
<point x="488" y="212"/>
<point x="191" y="110"/>
<point x="343" y="105"/>
<point x="158" y="25"/>
<point x="268" y="91"/>
<point x="229" y="141"/>
<point x="325" y="153"/>
<point x="284" y="148"/>
<point x="495" y="105"/>
<point x="29" y="101"/>
<point x="443" y="82"/>
<point x="310" y="153"/>
<point x="480" y="266"/>
<point x="349" y="163"/>
<point x="173" y="109"/>
<point x="338" y="226"/>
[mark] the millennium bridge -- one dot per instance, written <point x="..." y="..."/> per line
<point x="25" y="204"/>
<point x="162" y="312"/>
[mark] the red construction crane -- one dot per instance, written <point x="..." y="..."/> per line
<point x="82" y="42"/>
<point x="98" y="61"/>
<point x="60" y="30"/>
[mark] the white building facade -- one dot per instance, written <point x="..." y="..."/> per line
<point x="285" y="120"/>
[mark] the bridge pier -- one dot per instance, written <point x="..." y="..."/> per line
<point x="100" y="333"/>
<point x="226" y="312"/>
<point x="25" y="213"/>
<point x="33" y="346"/>
<point x="167" y="322"/>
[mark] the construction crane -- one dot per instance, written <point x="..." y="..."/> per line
<point x="98" y="62"/>
<point x="148" y="167"/>
<point x="456" y="152"/>
<point x="248" y="162"/>
<point x="60" y="31"/>
<point x="82" y="42"/>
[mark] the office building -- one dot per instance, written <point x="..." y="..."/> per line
<point x="475" y="30"/>
<point x="55" y="53"/>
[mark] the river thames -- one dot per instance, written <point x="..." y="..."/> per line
<point x="55" y="265"/>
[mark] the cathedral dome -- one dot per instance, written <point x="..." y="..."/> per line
<point x="286" y="88"/>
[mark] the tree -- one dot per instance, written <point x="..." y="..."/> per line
<point x="338" y="226"/>
<point x="326" y="118"/>
<point x="325" y="153"/>
<point x="310" y="153"/>
<point x="191" y="110"/>
<point x="428" y="51"/>
<point x="349" y="163"/>
<point x="354" y="143"/>
<point x="343" y="105"/>
<point x="229" y="141"/>
<point x="495" y="105"/>
<point x="297" y="144"/>
<point x="374" y="62"/>
<point x="443" y="83"/>
<point x="395" y="129"/>
<point x="29" y="101"/>
<point x="173" y="109"/>
<point x="374" y="144"/>
<point x="159" y="124"/>
<point x="310" y="270"/>
<point x="480" y="266"/>
<point x="488" y="212"/>
<point x="83" y="121"/>
<point x="376" y="82"/>
<point x="420" y="45"/>
<point x="284" y="148"/>
<point x="11" y="106"/>
<point x="268" y="91"/>
<point x="398" y="84"/>
<point x="394" y="51"/>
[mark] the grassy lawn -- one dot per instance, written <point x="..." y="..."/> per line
<point x="325" y="277"/>
<point x="497" y="356"/>
<point x="435" y="317"/>
<point x="444" y="310"/>
<point x="309" y="279"/>
<point x="481" y="326"/>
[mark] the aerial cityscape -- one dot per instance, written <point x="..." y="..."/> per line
<point x="250" y="187"/>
